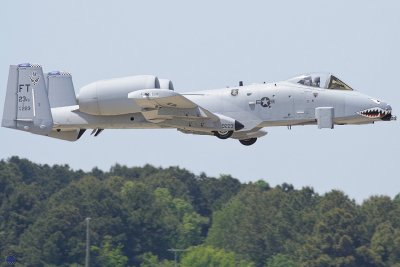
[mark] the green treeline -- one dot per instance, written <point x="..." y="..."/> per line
<point x="138" y="214"/>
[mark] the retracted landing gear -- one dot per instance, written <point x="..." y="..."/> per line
<point x="248" y="142"/>
<point x="223" y="134"/>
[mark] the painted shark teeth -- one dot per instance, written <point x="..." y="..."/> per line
<point x="374" y="113"/>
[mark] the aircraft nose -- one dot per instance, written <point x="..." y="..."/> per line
<point x="385" y="106"/>
<point x="388" y="109"/>
<point x="376" y="109"/>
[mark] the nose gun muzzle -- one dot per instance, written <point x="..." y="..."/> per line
<point x="388" y="116"/>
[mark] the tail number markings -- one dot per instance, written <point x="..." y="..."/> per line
<point x="25" y="99"/>
<point x="21" y="88"/>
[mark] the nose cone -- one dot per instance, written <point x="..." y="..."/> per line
<point x="380" y="104"/>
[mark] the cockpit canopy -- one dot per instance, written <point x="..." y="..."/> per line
<point x="321" y="80"/>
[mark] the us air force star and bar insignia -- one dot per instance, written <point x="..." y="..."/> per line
<point x="34" y="78"/>
<point x="265" y="102"/>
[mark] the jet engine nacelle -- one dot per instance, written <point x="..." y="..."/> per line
<point x="166" y="84"/>
<point x="110" y="97"/>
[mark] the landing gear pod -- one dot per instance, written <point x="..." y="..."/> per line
<point x="228" y="123"/>
<point x="223" y="134"/>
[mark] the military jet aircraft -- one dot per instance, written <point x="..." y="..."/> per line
<point x="46" y="104"/>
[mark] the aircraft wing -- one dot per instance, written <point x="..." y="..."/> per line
<point x="155" y="98"/>
<point x="175" y="110"/>
<point x="168" y="104"/>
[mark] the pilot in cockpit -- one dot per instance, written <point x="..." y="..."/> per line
<point x="317" y="81"/>
<point x="307" y="81"/>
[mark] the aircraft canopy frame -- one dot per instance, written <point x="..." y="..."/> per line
<point x="320" y="80"/>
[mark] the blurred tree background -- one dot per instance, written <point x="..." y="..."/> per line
<point x="139" y="213"/>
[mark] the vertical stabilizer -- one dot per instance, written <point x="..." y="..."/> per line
<point x="10" y="104"/>
<point x="61" y="89"/>
<point x="27" y="106"/>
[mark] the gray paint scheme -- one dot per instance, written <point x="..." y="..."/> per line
<point x="147" y="102"/>
<point x="61" y="89"/>
<point x="27" y="106"/>
<point x="10" y="107"/>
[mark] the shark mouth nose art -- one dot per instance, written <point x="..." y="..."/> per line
<point x="374" y="113"/>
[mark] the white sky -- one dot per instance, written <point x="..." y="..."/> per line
<point x="212" y="44"/>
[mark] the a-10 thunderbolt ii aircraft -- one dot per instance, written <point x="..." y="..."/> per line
<point x="46" y="104"/>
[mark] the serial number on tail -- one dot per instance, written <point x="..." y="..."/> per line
<point x="24" y="108"/>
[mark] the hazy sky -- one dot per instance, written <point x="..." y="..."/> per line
<point x="212" y="44"/>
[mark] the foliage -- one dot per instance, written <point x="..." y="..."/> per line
<point x="280" y="260"/>
<point x="138" y="214"/>
<point x="208" y="256"/>
<point x="108" y="255"/>
<point x="150" y="260"/>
